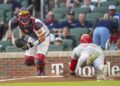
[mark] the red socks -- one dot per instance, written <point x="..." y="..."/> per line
<point x="73" y="64"/>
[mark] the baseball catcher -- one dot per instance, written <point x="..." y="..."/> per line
<point x="36" y="46"/>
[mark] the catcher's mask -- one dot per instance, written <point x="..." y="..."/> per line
<point x="24" y="17"/>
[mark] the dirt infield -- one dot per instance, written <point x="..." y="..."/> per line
<point x="48" y="79"/>
<point x="44" y="79"/>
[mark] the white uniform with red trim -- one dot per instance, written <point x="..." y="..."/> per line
<point x="85" y="51"/>
<point x="41" y="48"/>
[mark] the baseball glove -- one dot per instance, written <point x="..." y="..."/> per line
<point x="20" y="42"/>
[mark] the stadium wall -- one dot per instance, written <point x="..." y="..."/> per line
<point x="57" y="63"/>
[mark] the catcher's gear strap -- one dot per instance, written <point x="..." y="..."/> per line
<point x="20" y="42"/>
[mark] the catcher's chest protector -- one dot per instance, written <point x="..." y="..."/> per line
<point x="29" y="30"/>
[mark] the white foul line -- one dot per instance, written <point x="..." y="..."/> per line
<point x="30" y="77"/>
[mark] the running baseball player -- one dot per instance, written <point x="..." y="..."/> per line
<point x="88" y="54"/>
<point x="36" y="46"/>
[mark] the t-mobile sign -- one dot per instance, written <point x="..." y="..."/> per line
<point x="86" y="71"/>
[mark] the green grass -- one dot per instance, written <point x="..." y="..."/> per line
<point x="81" y="83"/>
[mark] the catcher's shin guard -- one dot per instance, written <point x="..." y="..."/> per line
<point x="40" y="64"/>
<point x="29" y="60"/>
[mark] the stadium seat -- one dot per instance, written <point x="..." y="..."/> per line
<point x="24" y="3"/>
<point x="92" y="20"/>
<point x="2" y="15"/>
<point x="4" y="44"/>
<point x="0" y="48"/>
<point x="118" y="9"/>
<point x="77" y="32"/>
<point x="106" y="4"/>
<point x="18" y="0"/>
<point x="81" y="10"/>
<point x="68" y="44"/>
<point x="114" y="0"/>
<point x="61" y="5"/>
<point x="53" y="47"/>
<point x="63" y="19"/>
<point x="94" y="3"/>
<point x="60" y="10"/>
<point x="100" y="9"/>
<point x="16" y="33"/>
<point x="13" y="49"/>
<point x="59" y="15"/>
<point x="76" y="15"/>
<point x="7" y="8"/>
<point x="8" y="16"/>
<point x="95" y="15"/>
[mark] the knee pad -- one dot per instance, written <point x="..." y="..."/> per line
<point x="29" y="60"/>
<point x="40" y="56"/>
<point x="40" y="60"/>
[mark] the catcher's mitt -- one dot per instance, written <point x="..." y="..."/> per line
<point x="20" y="42"/>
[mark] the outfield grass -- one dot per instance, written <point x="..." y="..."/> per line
<point x="81" y="83"/>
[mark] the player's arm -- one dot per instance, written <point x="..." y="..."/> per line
<point x="22" y="34"/>
<point x="13" y="23"/>
<point x="40" y="31"/>
<point x="74" y="55"/>
<point x="40" y="35"/>
<point x="73" y="62"/>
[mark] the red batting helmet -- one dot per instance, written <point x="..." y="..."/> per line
<point x="85" y="38"/>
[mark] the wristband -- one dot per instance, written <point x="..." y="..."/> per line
<point x="36" y="42"/>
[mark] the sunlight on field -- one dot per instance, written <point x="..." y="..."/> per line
<point x="81" y="83"/>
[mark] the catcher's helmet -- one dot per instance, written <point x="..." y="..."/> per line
<point x="24" y="17"/>
<point x="85" y="38"/>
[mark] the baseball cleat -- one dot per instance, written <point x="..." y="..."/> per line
<point x="40" y="72"/>
<point x="105" y="70"/>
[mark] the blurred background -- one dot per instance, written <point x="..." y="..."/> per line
<point x="67" y="20"/>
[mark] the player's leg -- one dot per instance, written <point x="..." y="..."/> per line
<point x="81" y="62"/>
<point x="30" y="54"/>
<point x="105" y="35"/>
<point x="73" y="64"/>
<point x="41" y="53"/>
<point x="96" y="36"/>
<point x="91" y="58"/>
<point x="101" y="69"/>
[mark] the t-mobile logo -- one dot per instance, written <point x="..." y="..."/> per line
<point x="57" y="68"/>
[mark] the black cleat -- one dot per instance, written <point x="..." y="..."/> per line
<point x="40" y="72"/>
